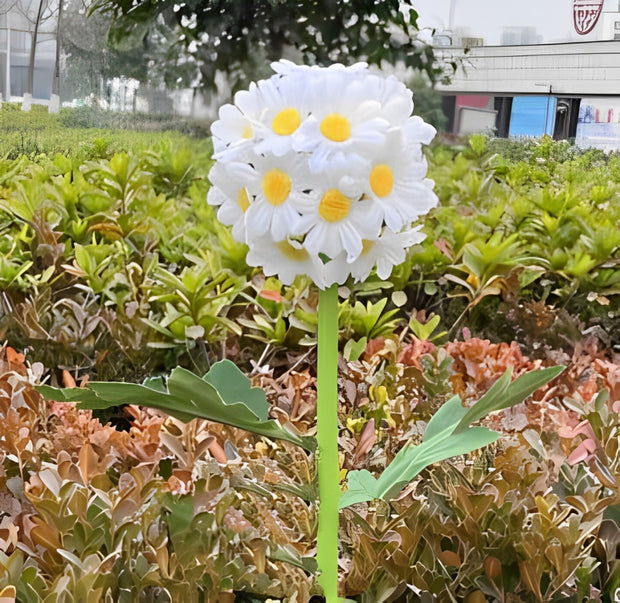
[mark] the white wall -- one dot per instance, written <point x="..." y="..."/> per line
<point x="579" y="69"/>
<point x="16" y="26"/>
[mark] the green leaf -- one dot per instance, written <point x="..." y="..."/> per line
<point x="503" y="394"/>
<point x="412" y="459"/>
<point x="448" y="434"/>
<point x="188" y="397"/>
<point x="354" y="349"/>
<point x="362" y="487"/>
<point x="424" y="331"/>
<point x="448" y="415"/>
<point x="233" y="386"/>
<point x="181" y="513"/>
<point x="613" y="514"/>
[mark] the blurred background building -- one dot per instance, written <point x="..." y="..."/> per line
<point x="51" y="53"/>
<point x="28" y="51"/>
<point x="555" y="69"/>
<point x="524" y="69"/>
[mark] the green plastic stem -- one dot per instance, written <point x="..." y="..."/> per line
<point x="327" y="439"/>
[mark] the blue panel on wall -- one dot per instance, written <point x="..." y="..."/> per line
<point x="529" y="114"/>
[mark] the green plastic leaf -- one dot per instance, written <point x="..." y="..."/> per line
<point x="503" y="394"/>
<point x="362" y="487"/>
<point x="412" y="459"/>
<point x="408" y="463"/>
<point x="187" y="397"/>
<point x="494" y="395"/>
<point x="233" y="386"/>
<point x="447" y="435"/>
<point x="448" y="415"/>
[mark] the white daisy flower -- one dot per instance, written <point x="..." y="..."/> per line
<point x="286" y="67"/>
<point x="396" y="184"/>
<point x="322" y="164"/>
<point x="335" y="219"/>
<point x="384" y="252"/>
<point x="286" y="259"/>
<point x="278" y="185"/>
<point x="345" y="126"/>
<point x="230" y="193"/>
<point x="233" y="132"/>
<point x="286" y="107"/>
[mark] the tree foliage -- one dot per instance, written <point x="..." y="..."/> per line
<point x="89" y="60"/>
<point x="240" y="37"/>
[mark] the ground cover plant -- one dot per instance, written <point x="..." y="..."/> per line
<point x="113" y="267"/>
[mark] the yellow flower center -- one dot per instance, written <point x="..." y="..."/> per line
<point x="276" y="186"/>
<point x="367" y="246"/>
<point x="336" y="127"/>
<point x="381" y="180"/>
<point x="297" y="254"/>
<point x="286" y="121"/>
<point x="243" y="201"/>
<point x="247" y="131"/>
<point x="334" y="206"/>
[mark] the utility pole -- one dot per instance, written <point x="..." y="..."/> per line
<point x="54" y="106"/>
<point x="7" y="73"/>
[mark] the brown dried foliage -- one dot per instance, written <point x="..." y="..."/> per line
<point x="180" y="507"/>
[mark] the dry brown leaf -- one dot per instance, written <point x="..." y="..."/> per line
<point x="367" y="440"/>
<point x="218" y="452"/>
<point x="8" y="594"/>
<point x="88" y="463"/>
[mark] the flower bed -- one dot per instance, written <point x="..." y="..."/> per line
<point x="116" y="269"/>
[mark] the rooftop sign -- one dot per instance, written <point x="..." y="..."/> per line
<point x="586" y="14"/>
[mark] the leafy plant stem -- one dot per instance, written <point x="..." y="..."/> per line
<point x="262" y="358"/>
<point x="203" y="350"/>
<point x="457" y="322"/>
<point x="299" y="360"/>
<point x="327" y="438"/>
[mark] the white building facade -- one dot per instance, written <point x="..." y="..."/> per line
<point x="568" y="88"/>
<point x="19" y="20"/>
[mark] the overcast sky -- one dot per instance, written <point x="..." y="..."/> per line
<point x="553" y="19"/>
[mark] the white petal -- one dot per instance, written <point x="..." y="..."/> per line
<point x="384" y="269"/>
<point x="216" y="197"/>
<point x="284" y="223"/>
<point x="351" y="242"/>
<point x="238" y="230"/>
<point x="258" y="219"/>
<point x="393" y="218"/>
<point x="417" y="129"/>
<point x="228" y="213"/>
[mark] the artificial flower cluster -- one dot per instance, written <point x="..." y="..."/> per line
<point x="321" y="172"/>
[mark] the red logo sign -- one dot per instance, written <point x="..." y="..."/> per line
<point x="586" y="14"/>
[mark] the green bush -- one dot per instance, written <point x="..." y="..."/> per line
<point x="87" y="133"/>
<point x="91" y="117"/>
<point x="527" y="241"/>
